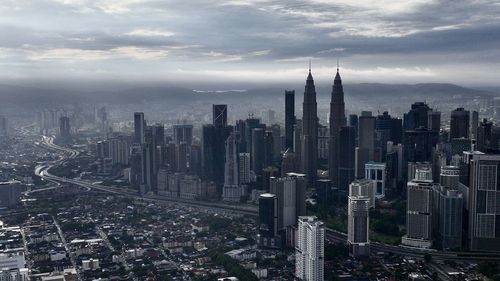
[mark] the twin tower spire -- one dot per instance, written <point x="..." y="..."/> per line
<point x="337" y="76"/>
<point x="309" y="139"/>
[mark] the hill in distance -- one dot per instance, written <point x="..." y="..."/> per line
<point x="29" y="96"/>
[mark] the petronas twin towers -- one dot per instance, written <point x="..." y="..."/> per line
<point x="310" y="129"/>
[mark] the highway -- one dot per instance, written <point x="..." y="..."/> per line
<point x="42" y="170"/>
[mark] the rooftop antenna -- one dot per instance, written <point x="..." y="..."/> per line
<point x="309" y="65"/>
<point x="337" y="64"/>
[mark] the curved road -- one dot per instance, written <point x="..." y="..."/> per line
<point x="333" y="235"/>
<point x="42" y="170"/>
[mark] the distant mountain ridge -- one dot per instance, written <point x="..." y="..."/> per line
<point x="33" y="96"/>
<point x="430" y="89"/>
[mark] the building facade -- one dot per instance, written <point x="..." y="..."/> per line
<point x="310" y="132"/>
<point x="309" y="252"/>
<point x="419" y="210"/>
<point x="358" y="226"/>
<point x="376" y="171"/>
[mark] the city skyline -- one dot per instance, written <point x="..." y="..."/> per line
<point x="170" y="140"/>
<point x="268" y="41"/>
<point x="310" y="223"/>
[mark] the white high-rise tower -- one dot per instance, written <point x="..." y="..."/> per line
<point x="309" y="252"/>
<point x="419" y="210"/>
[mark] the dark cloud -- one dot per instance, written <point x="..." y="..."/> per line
<point x="214" y="38"/>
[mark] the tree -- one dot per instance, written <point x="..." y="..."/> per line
<point x="489" y="268"/>
<point x="234" y="268"/>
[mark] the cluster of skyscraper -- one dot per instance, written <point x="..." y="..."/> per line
<point x="64" y="121"/>
<point x="452" y="181"/>
<point x="227" y="159"/>
<point x="449" y="177"/>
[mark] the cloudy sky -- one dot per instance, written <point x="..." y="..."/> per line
<point x="251" y="40"/>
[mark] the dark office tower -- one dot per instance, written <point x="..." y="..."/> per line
<point x="366" y="124"/>
<point x="474" y="124"/>
<point x="397" y="130"/>
<point x="231" y="190"/>
<point x="139" y="127"/>
<point x="158" y="135"/>
<point x="383" y="132"/>
<point x="324" y="192"/>
<point x="297" y="140"/>
<point x="417" y="116"/>
<point x="148" y="134"/>
<point x="181" y="156"/>
<point x="484" y="133"/>
<point x="366" y="142"/>
<point x="64" y="128"/>
<point x="146" y="168"/>
<point x="219" y="115"/>
<point x="392" y="169"/>
<point x="159" y="154"/>
<point x="289" y="118"/>
<point x="419" y="144"/>
<point x="268" y="219"/>
<point x="358" y="225"/>
<point x="310" y="131"/>
<point x="458" y="146"/>
<point x="459" y="124"/>
<point x="250" y="124"/>
<point x="151" y="135"/>
<point x="277" y="140"/>
<point x="434" y="120"/>
<point x="183" y="133"/>
<point x="241" y="135"/>
<point x="268" y="148"/>
<point x="240" y="132"/>
<point x="301" y="185"/>
<point x="337" y="121"/>
<point x="346" y="166"/>
<point x="221" y="135"/>
<point x="135" y="161"/>
<point x="214" y="151"/>
<point x="450" y="219"/>
<point x="195" y="160"/>
<point x="495" y="139"/>
<point x="169" y="156"/>
<point x="353" y="122"/>
<point x="258" y="150"/>
<point x="286" y="192"/>
<point x="386" y="129"/>
<point x="207" y="152"/>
